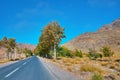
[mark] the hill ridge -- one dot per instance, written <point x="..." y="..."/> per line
<point x="108" y="35"/>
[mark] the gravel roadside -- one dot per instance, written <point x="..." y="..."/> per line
<point x="57" y="72"/>
<point x="7" y="63"/>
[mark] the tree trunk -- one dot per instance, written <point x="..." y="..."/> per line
<point x="15" y="54"/>
<point x="54" y="51"/>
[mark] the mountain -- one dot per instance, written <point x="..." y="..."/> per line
<point x="28" y="46"/>
<point x="107" y="35"/>
<point x="19" y="45"/>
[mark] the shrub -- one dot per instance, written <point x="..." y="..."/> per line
<point x="78" y="53"/>
<point x="91" y="68"/>
<point x="69" y="69"/>
<point x="97" y="77"/>
<point x="93" y="54"/>
<point x="69" y="54"/>
<point x="64" y="52"/>
<point x="106" y="51"/>
<point x="17" y="59"/>
<point x="50" y="55"/>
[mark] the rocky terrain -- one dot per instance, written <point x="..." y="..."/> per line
<point x="3" y="51"/>
<point x="108" y="35"/>
<point x="28" y="46"/>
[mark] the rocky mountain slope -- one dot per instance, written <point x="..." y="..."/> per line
<point x="28" y="46"/>
<point x="108" y="35"/>
<point x="19" y="45"/>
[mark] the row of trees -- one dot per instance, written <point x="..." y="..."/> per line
<point x="9" y="44"/>
<point x="50" y="39"/>
<point x="12" y="49"/>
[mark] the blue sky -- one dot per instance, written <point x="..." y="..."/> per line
<point x="23" y="19"/>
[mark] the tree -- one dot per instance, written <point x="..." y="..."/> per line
<point x="11" y="45"/>
<point x="52" y="35"/>
<point x="28" y="52"/>
<point x="4" y="42"/>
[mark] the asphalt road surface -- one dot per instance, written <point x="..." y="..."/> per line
<point x="28" y="69"/>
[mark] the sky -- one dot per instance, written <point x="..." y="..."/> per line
<point x="24" y="19"/>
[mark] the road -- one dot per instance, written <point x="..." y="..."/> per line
<point x="28" y="69"/>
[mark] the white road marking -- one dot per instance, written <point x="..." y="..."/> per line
<point x="12" y="72"/>
<point x="16" y="69"/>
<point x="24" y="63"/>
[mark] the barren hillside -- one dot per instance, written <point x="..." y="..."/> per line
<point x="107" y="35"/>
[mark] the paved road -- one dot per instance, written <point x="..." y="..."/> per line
<point x="27" y="69"/>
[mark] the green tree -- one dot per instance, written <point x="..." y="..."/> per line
<point x="28" y="52"/>
<point x="51" y="36"/>
<point x="10" y="44"/>
<point x="4" y="42"/>
<point x="11" y="47"/>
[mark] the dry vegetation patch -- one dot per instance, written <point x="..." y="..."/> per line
<point x="92" y="68"/>
<point x="83" y="66"/>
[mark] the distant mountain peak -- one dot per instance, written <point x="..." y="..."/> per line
<point x="116" y="23"/>
<point x="114" y="26"/>
<point x="107" y="35"/>
<point x="29" y="46"/>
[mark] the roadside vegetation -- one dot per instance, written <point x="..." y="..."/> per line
<point x="9" y="51"/>
<point x="97" y="77"/>
<point x="93" y="65"/>
<point x="49" y="40"/>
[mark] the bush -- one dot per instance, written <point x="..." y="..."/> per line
<point x="90" y="68"/>
<point x="50" y="55"/>
<point x="106" y="51"/>
<point x="78" y="53"/>
<point x="64" y="52"/>
<point x="97" y="77"/>
<point x="17" y="59"/>
<point x="94" y="55"/>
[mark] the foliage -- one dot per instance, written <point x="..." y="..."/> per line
<point x="51" y="54"/>
<point x="91" y="68"/>
<point x="78" y="53"/>
<point x="97" y="77"/>
<point x="64" y="52"/>
<point x="50" y="39"/>
<point x="28" y="52"/>
<point x="93" y="54"/>
<point x="106" y="51"/>
<point x="10" y="44"/>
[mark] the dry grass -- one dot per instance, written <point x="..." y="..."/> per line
<point x="104" y="63"/>
<point x="3" y="61"/>
<point x="85" y="65"/>
<point x="54" y="60"/>
<point x="91" y="68"/>
<point x="68" y="64"/>
<point x="69" y="69"/>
